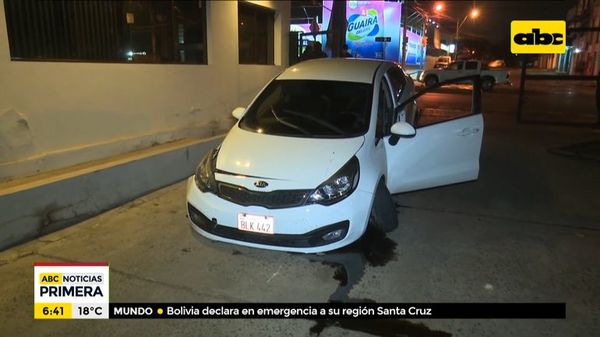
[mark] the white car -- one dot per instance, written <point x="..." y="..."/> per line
<point x="317" y="154"/>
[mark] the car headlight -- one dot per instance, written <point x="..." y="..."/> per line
<point x="205" y="172"/>
<point x="338" y="187"/>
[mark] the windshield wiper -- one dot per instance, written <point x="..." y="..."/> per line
<point x="328" y="125"/>
<point x="287" y="123"/>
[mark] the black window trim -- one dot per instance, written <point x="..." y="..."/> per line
<point x="260" y="8"/>
<point x="476" y="107"/>
<point x="98" y="61"/>
<point x="386" y="128"/>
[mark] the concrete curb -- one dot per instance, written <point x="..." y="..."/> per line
<point x="34" y="209"/>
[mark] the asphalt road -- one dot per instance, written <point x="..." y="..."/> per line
<point x="526" y="231"/>
<point x="544" y="100"/>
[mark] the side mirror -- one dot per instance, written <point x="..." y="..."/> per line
<point x="401" y="129"/>
<point x="238" y="113"/>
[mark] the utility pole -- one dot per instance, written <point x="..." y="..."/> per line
<point x="456" y="41"/>
<point x="336" y="32"/>
<point x="404" y="37"/>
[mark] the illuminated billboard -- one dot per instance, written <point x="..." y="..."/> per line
<point x="374" y="31"/>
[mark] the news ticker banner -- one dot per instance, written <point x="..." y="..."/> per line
<point x="81" y="291"/>
<point x="337" y="310"/>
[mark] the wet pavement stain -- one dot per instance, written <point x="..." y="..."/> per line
<point x="374" y="249"/>
<point x="381" y="327"/>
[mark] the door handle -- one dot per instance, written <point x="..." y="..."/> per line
<point x="468" y="131"/>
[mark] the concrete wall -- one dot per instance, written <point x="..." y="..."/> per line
<point x="48" y="204"/>
<point x="56" y="114"/>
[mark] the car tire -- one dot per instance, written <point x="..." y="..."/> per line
<point x="431" y="80"/>
<point x="487" y="83"/>
<point x="383" y="212"/>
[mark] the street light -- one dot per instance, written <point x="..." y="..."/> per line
<point x="473" y="14"/>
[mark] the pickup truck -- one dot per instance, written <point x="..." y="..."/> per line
<point x="489" y="78"/>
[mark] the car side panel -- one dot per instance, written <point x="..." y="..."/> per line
<point x="439" y="154"/>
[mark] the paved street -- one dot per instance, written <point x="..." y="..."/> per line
<point x="544" y="100"/>
<point x="527" y="231"/>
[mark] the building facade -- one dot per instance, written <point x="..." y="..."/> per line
<point x="583" y="47"/>
<point x="86" y="80"/>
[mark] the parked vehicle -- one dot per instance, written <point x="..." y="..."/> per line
<point x="442" y="62"/>
<point x="314" y="159"/>
<point x="489" y="77"/>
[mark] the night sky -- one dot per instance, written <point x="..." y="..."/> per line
<point x="494" y="19"/>
<point x="493" y="23"/>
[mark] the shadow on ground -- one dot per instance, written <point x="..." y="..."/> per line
<point x="374" y="249"/>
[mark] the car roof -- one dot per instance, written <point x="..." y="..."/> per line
<point x="334" y="69"/>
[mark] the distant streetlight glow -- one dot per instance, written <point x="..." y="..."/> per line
<point x="438" y="7"/>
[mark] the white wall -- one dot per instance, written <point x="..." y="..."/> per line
<point x="56" y="114"/>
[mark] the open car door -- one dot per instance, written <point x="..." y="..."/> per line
<point x="441" y="153"/>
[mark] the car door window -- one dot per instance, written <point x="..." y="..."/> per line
<point x="438" y="106"/>
<point x="397" y="82"/>
<point x="471" y="65"/>
<point x="385" y="110"/>
<point x="455" y="66"/>
<point x="397" y="79"/>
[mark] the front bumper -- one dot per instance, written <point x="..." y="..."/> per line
<point x="297" y="229"/>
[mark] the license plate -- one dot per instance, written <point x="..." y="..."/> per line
<point x="256" y="223"/>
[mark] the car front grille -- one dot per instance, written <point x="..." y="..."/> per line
<point x="274" y="199"/>
<point x="313" y="238"/>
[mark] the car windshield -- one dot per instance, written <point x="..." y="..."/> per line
<point x="310" y="108"/>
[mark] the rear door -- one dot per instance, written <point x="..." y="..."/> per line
<point x="454" y="70"/>
<point x="471" y="68"/>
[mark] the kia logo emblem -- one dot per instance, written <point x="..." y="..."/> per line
<point x="261" y="184"/>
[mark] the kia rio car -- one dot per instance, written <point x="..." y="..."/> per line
<point x="313" y="159"/>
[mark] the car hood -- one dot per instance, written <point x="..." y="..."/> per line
<point x="283" y="162"/>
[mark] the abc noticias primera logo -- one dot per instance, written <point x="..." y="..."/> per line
<point x="538" y="36"/>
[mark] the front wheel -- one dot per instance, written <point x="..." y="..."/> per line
<point x="383" y="212"/>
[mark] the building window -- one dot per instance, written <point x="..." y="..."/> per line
<point x="255" y="34"/>
<point x="107" y="31"/>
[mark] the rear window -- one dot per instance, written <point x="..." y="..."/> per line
<point x="471" y="66"/>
